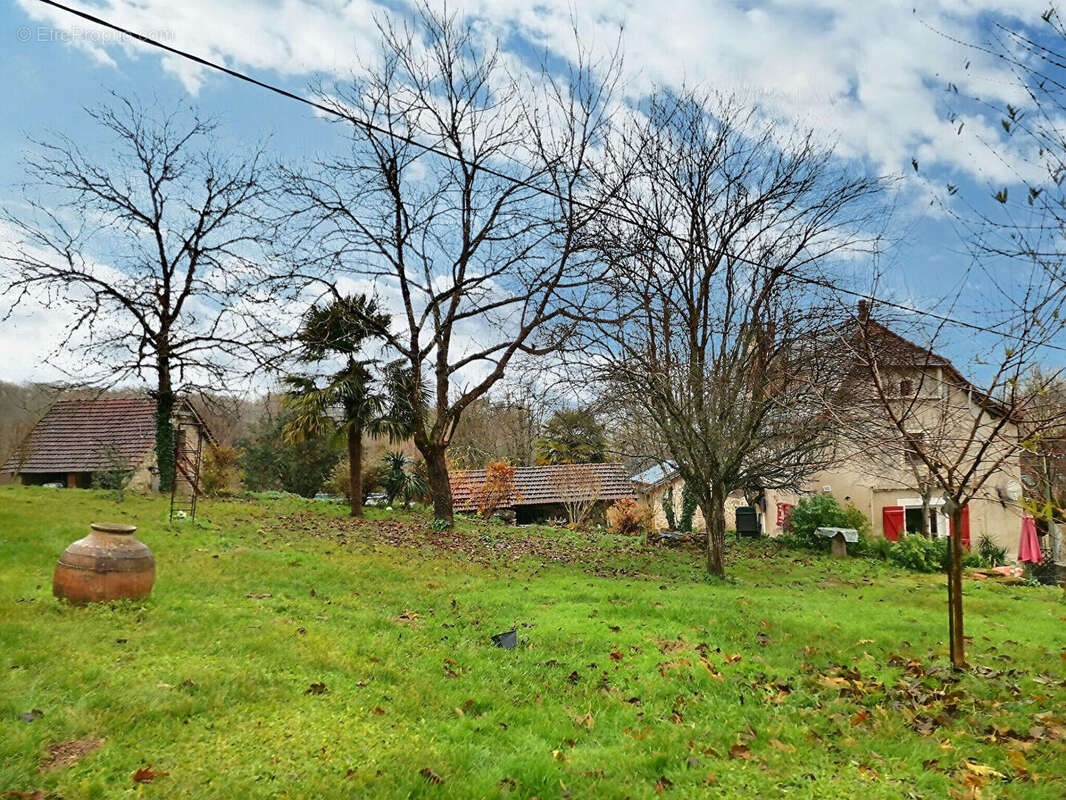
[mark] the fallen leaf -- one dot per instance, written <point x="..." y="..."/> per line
<point x="663" y="784"/>
<point x="585" y="721"/>
<point x="316" y="688"/>
<point x="431" y="776"/>
<point x="982" y="770"/>
<point x="777" y="744"/>
<point x="740" y="751"/>
<point x="861" y="717"/>
<point x="146" y="774"/>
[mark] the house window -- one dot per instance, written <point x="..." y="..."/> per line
<point x="906" y="388"/>
<point x="913" y="519"/>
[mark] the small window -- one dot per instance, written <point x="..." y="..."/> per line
<point x="906" y="388"/>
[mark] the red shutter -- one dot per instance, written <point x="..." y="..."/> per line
<point x="965" y="527"/>
<point x="893" y="519"/>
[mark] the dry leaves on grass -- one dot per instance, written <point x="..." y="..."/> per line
<point x="431" y="776"/>
<point x="64" y="754"/>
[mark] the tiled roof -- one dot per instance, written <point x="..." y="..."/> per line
<point x="87" y="435"/>
<point x="546" y="484"/>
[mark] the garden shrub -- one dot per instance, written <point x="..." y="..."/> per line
<point x="496" y="490"/>
<point x="628" y="517"/>
<point x="823" y="511"/>
<point x="918" y="553"/>
<point x="992" y="555"/>
<point x="340" y="483"/>
<point x="220" y="475"/>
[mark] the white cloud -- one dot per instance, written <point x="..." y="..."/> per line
<point x="872" y="73"/>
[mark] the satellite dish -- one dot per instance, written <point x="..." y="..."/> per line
<point x="1011" y="491"/>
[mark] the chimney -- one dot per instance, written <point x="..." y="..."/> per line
<point x="864" y="311"/>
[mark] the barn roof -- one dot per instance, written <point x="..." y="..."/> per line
<point x="84" y="435"/>
<point x="546" y="484"/>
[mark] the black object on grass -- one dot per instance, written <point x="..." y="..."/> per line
<point x="507" y="640"/>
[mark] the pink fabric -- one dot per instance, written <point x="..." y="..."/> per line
<point x="1029" y="547"/>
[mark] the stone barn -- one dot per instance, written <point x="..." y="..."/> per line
<point x="79" y="438"/>
<point x="542" y="492"/>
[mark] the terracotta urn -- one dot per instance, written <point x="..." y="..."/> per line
<point x="108" y="564"/>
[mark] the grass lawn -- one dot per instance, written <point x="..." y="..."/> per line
<point x="289" y="653"/>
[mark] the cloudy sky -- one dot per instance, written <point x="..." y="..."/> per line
<point x="873" y="75"/>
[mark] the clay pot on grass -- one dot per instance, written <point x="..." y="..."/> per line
<point x="108" y="564"/>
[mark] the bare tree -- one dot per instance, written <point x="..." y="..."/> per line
<point x="579" y="488"/>
<point x="967" y="440"/>
<point x="711" y="324"/>
<point x="152" y="247"/>
<point x="473" y="245"/>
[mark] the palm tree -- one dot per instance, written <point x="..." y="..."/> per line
<point x="346" y="402"/>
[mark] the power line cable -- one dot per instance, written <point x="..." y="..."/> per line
<point x="823" y="284"/>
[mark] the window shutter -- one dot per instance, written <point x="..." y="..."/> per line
<point x="893" y="519"/>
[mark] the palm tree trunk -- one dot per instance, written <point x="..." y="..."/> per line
<point x="355" y="469"/>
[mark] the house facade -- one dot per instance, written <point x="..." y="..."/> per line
<point x="77" y="439"/>
<point x="880" y="471"/>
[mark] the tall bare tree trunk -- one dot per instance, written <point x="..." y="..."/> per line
<point x="440" y="487"/>
<point x="713" y="508"/>
<point x="355" y="470"/>
<point x="955" y="630"/>
<point x="164" y="428"/>
<point x="927" y="528"/>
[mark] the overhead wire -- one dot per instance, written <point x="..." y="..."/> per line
<point x="806" y="279"/>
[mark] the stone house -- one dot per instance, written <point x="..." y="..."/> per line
<point x="882" y="480"/>
<point x="78" y="438"/>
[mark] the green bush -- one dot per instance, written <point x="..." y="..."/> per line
<point x="879" y="548"/>
<point x="918" y="553"/>
<point x="271" y="462"/>
<point x="823" y="511"/>
<point x="991" y="554"/>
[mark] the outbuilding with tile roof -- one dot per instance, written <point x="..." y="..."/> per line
<point x="541" y="492"/>
<point x="78" y="438"/>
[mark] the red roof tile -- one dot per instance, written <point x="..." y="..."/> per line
<point x="546" y="484"/>
<point x="87" y="435"/>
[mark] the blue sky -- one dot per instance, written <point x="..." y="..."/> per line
<point x="871" y="75"/>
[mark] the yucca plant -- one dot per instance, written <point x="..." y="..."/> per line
<point x="399" y="479"/>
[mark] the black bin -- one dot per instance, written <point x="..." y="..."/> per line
<point x="747" y="521"/>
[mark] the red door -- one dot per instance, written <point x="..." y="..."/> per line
<point x="965" y="527"/>
<point x="893" y="519"/>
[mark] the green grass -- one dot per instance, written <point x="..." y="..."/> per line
<point x="800" y="676"/>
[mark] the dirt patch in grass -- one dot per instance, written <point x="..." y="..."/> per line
<point x="65" y="754"/>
